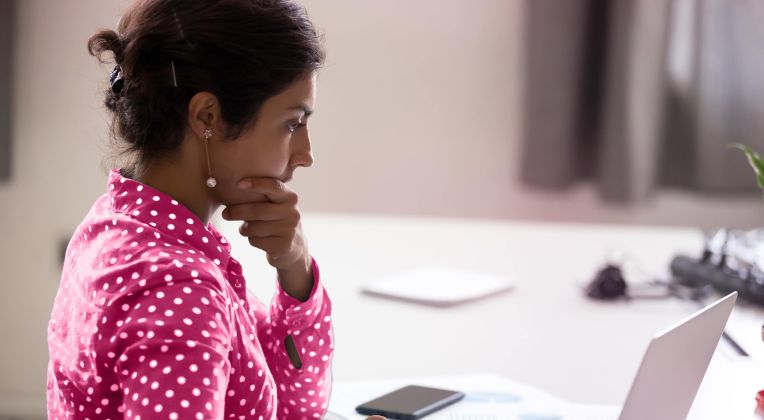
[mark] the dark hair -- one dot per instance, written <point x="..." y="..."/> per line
<point x="242" y="51"/>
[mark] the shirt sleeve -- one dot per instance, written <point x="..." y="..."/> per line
<point x="302" y="392"/>
<point x="171" y="349"/>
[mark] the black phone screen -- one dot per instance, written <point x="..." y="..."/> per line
<point x="410" y="402"/>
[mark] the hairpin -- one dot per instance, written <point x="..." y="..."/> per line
<point x="116" y="80"/>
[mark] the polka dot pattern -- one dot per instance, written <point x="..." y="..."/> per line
<point x="152" y="320"/>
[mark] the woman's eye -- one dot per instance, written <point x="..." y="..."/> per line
<point x="294" y="126"/>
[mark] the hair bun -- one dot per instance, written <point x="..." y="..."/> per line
<point x="106" y="40"/>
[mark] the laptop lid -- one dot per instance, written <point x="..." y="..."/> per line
<point x="675" y="363"/>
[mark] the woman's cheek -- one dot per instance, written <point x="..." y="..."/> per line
<point x="274" y="161"/>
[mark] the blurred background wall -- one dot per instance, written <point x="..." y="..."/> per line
<point x="421" y="110"/>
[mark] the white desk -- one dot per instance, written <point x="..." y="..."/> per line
<point x="544" y="333"/>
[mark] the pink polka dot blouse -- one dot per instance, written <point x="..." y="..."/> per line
<point x="152" y="320"/>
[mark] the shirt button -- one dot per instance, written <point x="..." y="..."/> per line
<point x="297" y="323"/>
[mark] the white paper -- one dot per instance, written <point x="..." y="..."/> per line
<point x="488" y="397"/>
<point x="438" y="285"/>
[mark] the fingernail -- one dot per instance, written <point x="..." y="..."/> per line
<point x="244" y="184"/>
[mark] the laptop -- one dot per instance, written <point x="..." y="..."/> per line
<point x="675" y="363"/>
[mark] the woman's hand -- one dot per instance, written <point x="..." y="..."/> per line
<point x="271" y="222"/>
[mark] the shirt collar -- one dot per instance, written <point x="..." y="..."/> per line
<point x="160" y="211"/>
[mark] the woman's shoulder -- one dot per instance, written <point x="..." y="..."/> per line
<point x="135" y="238"/>
<point x="123" y="256"/>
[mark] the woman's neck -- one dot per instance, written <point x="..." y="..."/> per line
<point x="177" y="180"/>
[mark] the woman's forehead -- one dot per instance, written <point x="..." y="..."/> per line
<point x="299" y="96"/>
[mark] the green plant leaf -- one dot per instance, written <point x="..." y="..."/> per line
<point x="754" y="160"/>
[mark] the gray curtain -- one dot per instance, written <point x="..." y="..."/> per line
<point x="636" y="95"/>
<point x="7" y="27"/>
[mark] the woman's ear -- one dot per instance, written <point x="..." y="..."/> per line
<point x="203" y="112"/>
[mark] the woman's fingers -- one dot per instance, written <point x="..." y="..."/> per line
<point x="275" y="247"/>
<point x="272" y="226"/>
<point x="254" y="211"/>
<point x="280" y="228"/>
<point x="272" y="188"/>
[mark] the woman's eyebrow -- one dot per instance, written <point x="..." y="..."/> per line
<point x="304" y="108"/>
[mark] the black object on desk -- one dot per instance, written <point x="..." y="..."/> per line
<point x="410" y="402"/>
<point x="695" y="273"/>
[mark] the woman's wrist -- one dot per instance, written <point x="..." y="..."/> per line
<point x="297" y="279"/>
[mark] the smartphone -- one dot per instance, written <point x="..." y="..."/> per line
<point x="410" y="402"/>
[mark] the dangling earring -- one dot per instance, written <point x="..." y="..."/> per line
<point x="211" y="182"/>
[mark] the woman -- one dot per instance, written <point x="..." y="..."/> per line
<point x="152" y="319"/>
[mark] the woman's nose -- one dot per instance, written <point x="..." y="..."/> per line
<point x="303" y="156"/>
